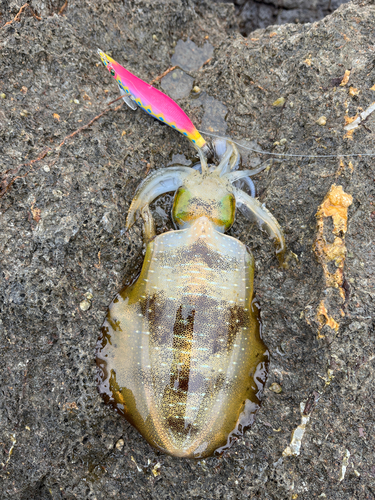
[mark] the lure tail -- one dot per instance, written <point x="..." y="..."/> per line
<point x="136" y="92"/>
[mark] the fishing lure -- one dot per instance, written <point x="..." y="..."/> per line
<point x="181" y="354"/>
<point x="136" y="92"/>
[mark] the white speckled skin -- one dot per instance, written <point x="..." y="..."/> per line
<point x="180" y="354"/>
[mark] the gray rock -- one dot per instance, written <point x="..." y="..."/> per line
<point x="177" y="84"/>
<point x="189" y="56"/>
<point x="255" y="14"/>
<point x="215" y="112"/>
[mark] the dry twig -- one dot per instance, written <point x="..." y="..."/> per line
<point x="61" y="11"/>
<point x="18" y="15"/>
<point x="163" y="75"/>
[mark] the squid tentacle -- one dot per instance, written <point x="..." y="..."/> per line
<point x="250" y="185"/>
<point x="240" y="174"/>
<point x="222" y="168"/>
<point x="253" y="209"/>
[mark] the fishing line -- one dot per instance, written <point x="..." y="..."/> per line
<point x="338" y="155"/>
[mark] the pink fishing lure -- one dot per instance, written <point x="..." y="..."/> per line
<point x="154" y="102"/>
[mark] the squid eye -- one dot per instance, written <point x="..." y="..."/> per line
<point x="112" y="72"/>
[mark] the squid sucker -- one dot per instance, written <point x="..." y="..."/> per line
<point x="181" y="354"/>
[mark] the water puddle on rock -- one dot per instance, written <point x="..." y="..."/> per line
<point x="180" y="159"/>
<point x="247" y="155"/>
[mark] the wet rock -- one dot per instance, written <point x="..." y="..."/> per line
<point x="255" y="14"/>
<point x="189" y="57"/>
<point x="177" y="84"/>
<point x="179" y="159"/>
<point x="215" y="112"/>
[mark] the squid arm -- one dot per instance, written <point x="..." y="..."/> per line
<point x="160" y="182"/>
<point x="254" y="210"/>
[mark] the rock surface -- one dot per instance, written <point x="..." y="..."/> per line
<point x="64" y="251"/>
<point x="255" y="14"/>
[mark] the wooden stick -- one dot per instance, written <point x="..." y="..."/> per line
<point x="18" y="15"/>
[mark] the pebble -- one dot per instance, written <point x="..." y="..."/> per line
<point x="275" y="388"/>
<point x="279" y="102"/>
<point x="85" y="305"/>
<point x="120" y="444"/>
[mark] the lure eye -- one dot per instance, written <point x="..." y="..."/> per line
<point x="113" y="73"/>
